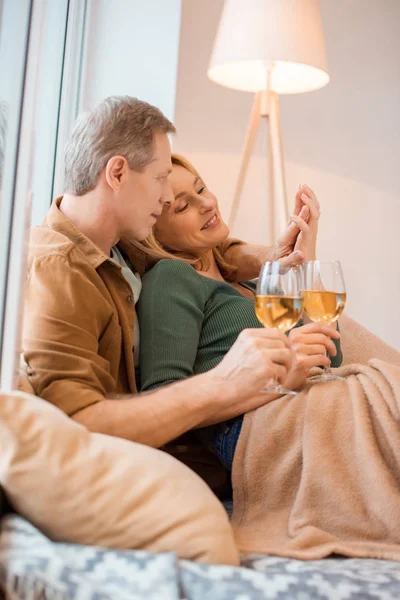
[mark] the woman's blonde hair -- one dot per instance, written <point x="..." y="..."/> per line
<point x="155" y="251"/>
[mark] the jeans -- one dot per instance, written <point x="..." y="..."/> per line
<point x="225" y="441"/>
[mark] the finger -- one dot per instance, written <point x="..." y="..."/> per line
<point x="298" y="204"/>
<point x="270" y="344"/>
<point x="325" y="341"/>
<point x="301" y="224"/>
<point x="269" y="334"/>
<point x="305" y="214"/>
<point x="306" y="188"/>
<point x="281" y="356"/>
<point x="312" y="205"/>
<point x="316" y="360"/>
<point x="294" y="259"/>
<point x="291" y="232"/>
<point x="280" y="373"/>
<point x="314" y="208"/>
<point x="316" y="328"/>
<point x="288" y="238"/>
<point x="312" y="338"/>
<point x="309" y="349"/>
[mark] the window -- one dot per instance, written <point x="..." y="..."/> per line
<point x="40" y="50"/>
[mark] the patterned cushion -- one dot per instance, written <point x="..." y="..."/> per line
<point x="32" y="567"/>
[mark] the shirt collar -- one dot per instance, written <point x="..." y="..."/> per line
<point x="57" y="221"/>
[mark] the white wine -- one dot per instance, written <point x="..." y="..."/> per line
<point x="324" y="307"/>
<point x="279" y="312"/>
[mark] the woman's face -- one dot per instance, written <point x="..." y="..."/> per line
<point x="192" y="222"/>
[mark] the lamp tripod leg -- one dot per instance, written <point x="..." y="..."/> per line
<point x="252" y="129"/>
<point x="278" y="171"/>
<point x="271" y="201"/>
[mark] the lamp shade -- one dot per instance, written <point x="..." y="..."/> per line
<point x="254" y="33"/>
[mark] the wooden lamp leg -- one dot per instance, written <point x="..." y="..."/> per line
<point x="271" y="212"/>
<point x="252" y="129"/>
<point x="266" y="105"/>
<point x="278" y="176"/>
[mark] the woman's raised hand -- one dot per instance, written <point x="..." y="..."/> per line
<point x="306" y="216"/>
<point x="298" y="241"/>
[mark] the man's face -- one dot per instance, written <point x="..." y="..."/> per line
<point x="144" y="194"/>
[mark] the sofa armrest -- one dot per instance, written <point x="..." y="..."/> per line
<point x="360" y="345"/>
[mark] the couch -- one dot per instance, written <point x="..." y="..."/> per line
<point x="32" y="566"/>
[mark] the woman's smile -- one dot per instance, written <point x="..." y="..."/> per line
<point x="212" y="223"/>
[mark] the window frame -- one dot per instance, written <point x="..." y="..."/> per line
<point x="16" y="200"/>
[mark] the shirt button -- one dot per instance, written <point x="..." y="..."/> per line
<point x="129" y="299"/>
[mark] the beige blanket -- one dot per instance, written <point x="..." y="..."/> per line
<point x="319" y="473"/>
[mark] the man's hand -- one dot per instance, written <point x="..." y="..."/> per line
<point x="309" y="345"/>
<point x="255" y="357"/>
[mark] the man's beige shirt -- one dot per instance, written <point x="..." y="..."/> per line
<point x="78" y="326"/>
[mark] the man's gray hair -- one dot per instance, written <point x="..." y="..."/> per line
<point x="119" y="125"/>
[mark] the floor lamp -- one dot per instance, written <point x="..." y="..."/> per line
<point x="268" y="47"/>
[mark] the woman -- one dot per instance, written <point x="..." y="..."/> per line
<point x="314" y="474"/>
<point x="191" y="311"/>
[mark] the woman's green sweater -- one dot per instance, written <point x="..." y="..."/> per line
<point x="188" y="323"/>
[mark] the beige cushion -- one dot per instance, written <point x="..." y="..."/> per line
<point x="90" y="488"/>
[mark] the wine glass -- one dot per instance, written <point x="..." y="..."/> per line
<point x="279" y="305"/>
<point x="324" y="298"/>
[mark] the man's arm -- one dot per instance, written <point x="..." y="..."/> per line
<point x="159" y="416"/>
<point x="174" y="401"/>
<point x="65" y="317"/>
<point x="62" y="328"/>
<point x="232" y="388"/>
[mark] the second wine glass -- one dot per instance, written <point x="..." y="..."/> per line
<point x="324" y="298"/>
<point x="279" y="305"/>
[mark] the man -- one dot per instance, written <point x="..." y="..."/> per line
<point x="80" y="309"/>
<point x="80" y="329"/>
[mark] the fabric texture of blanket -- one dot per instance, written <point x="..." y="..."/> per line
<point x="319" y="473"/>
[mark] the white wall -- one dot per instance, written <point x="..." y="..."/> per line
<point x="344" y="141"/>
<point x="132" y="48"/>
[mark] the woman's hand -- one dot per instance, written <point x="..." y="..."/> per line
<point x="306" y="217"/>
<point x="285" y="248"/>
<point x="309" y="345"/>
<point x="298" y="241"/>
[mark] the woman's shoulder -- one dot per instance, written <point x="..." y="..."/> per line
<point x="171" y="270"/>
